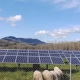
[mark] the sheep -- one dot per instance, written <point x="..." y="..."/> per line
<point x="47" y="75"/>
<point x="58" y="72"/>
<point x="54" y="74"/>
<point x="37" y="75"/>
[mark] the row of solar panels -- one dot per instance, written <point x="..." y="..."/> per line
<point x="40" y="51"/>
<point x="32" y="60"/>
<point x="38" y="60"/>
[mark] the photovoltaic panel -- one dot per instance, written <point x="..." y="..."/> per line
<point x="9" y="59"/>
<point x="2" y="53"/>
<point x="56" y="60"/>
<point x="68" y="55"/>
<point x="33" y="51"/>
<point x="67" y="52"/>
<point x="53" y="51"/>
<point x="45" y="60"/>
<point x="1" y="58"/>
<point x="33" y="54"/>
<point x="55" y="55"/>
<point x="76" y="52"/>
<point x="74" y="61"/>
<point x="43" y="54"/>
<point x="11" y="53"/>
<point x="23" y="54"/>
<point x="12" y="50"/>
<point x="3" y="50"/>
<point x="60" y="51"/>
<point x="43" y="51"/>
<point x="23" y="50"/>
<point x="34" y="60"/>
<point x="77" y="55"/>
<point x="62" y="55"/>
<point x="21" y="59"/>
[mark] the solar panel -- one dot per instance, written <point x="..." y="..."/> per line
<point x="45" y="60"/>
<point x="74" y="61"/>
<point x="55" y="55"/>
<point x="62" y="55"/>
<point x="56" y="60"/>
<point x="33" y="54"/>
<point x="23" y="50"/>
<point x="23" y="54"/>
<point x="2" y="53"/>
<point x="43" y="51"/>
<point x="60" y="51"/>
<point x="53" y="51"/>
<point x="11" y="53"/>
<point x="76" y="52"/>
<point x="1" y="58"/>
<point x="77" y="55"/>
<point x="43" y="54"/>
<point x="9" y="59"/>
<point x="12" y="50"/>
<point x="68" y="55"/>
<point x="21" y="59"/>
<point x="34" y="60"/>
<point x="33" y="51"/>
<point x="3" y="50"/>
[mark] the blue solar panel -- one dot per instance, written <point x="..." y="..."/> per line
<point x="12" y="50"/>
<point x="43" y="51"/>
<point x="22" y="50"/>
<point x="11" y="53"/>
<point x="9" y="59"/>
<point x="55" y="55"/>
<point x="74" y="61"/>
<point x="43" y="54"/>
<point x="33" y="51"/>
<point x="67" y="52"/>
<point x="23" y="54"/>
<point x="62" y="55"/>
<point x="56" y="60"/>
<point x="34" y="60"/>
<point x="3" y="50"/>
<point x="53" y="51"/>
<point x="45" y="60"/>
<point x="68" y="55"/>
<point x="21" y="59"/>
<point x="60" y="51"/>
<point x="2" y="53"/>
<point x="76" y="52"/>
<point x="33" y="54"/>
<point x="77" y="55"/>
<point x="1" y="58"/>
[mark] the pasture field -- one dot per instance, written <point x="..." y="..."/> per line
<point x="25" y="72"/>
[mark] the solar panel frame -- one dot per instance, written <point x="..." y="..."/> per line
<point x="9" y="59"/>
<point x="32" y="60"/>
<point x="73" y="61"/>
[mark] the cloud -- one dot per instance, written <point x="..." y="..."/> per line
<point x="12" y="19"/>
<point x="65" y="4"/>
<point x="59" y="33"/>
<point x="43" y="32"/>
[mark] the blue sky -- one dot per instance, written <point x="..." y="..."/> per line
<point x="47" y="20"/>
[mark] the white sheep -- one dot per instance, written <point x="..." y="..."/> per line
<point x="58" y="72"/>
<point x="54" y="74"/>
<point x="37" y="75"/>
<point x="47" y="75"/>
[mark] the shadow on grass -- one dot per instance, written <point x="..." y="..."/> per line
<point x="67" y="71"/>
<point x="14" y="69"/>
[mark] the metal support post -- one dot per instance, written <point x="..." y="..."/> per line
<point x="70" y="68"/>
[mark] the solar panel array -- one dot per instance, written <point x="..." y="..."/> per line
<point x="38" y="56"/>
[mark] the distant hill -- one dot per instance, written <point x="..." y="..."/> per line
<point x="24" y="40"/>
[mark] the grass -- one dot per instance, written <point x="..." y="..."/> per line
<point x="25" y="72"/>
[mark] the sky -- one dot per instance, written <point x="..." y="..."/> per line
<point x="46" y="20"/>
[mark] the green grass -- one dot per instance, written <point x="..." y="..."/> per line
<point x="25" y="72"/>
